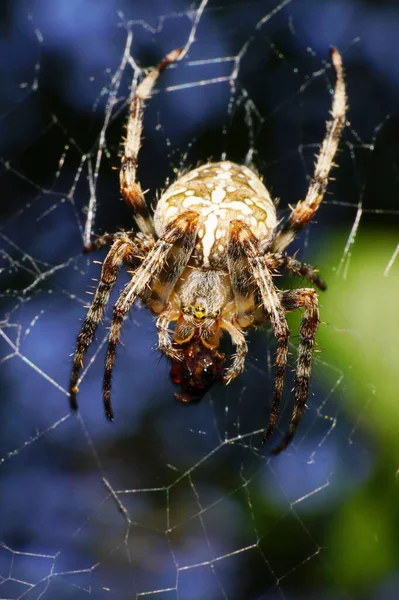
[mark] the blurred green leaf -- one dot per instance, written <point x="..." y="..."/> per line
<point x="362" y="545"/>
<point x="361" y="337"/>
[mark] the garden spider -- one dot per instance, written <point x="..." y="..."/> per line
<point x="206" y="261"/>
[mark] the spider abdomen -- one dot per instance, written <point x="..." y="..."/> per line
<point x="219" y="192"/>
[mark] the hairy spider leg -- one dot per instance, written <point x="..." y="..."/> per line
<point x="238" y="339"/>
<point x="283" y="261"/>
<point x="165" y="343"/>
<point x="184" y="226"/>
<point x="304" y="210"/>
<point x="301" y="298"/>
<point x="124" y="250"/>
<point x="243" y="242"/>
<point x="131" y="190"/>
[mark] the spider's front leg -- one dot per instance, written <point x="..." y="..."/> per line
<point x="302" y="298"/>
<point x="244" y="248"/>
<point x="180" y="234"/>
<point x="124" y="250"/>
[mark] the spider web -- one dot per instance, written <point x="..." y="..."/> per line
<point x="174" y="501"/>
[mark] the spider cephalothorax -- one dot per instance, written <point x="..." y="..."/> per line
<point x="206" y="262"/>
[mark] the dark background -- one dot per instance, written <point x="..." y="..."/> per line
<point x="174" y="501"/>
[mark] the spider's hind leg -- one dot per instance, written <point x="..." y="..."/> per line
<point x="107" y="239"/>
<point x="304" y="211"/>
<point x="283" y="261"/>
<point x="130" y="188"/>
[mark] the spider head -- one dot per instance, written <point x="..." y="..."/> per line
<point x="197" y="334"/>
<point x="202" y="297"/>
<point x="200" y="310"/>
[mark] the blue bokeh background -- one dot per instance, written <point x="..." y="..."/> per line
<point x="206" y="512"/>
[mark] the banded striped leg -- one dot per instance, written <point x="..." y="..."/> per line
<point x="143" y="242"/>
<point x="304" y="211"/>
<point x="244" y="299"/>
<point x="302" y="298"/>
<point x="165" y="344"/>
<point x="241" y="280"/>
<point x="123" y="250"/>
<point x="278" y="261"/>
<point x="238" y="340"/>
<point x="243" y="240"/>
<point x="104" y="240"/>
<point x="163" y="287"/>
<point x="183" y="227"/>
<point x="107" y="239"/>
<point x="131" y="190"/>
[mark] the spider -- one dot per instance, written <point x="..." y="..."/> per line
<point x="206" y="262"/>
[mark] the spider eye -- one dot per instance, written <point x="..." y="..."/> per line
<point x="199" y="312"/>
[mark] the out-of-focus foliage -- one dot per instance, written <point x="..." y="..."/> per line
<point x="363" y="535"/>
<point x="359" y="335"/>
<point x="363" y="301"/>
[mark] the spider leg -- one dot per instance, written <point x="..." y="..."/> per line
<point x="123" y="250"/>
<point x="143" y="241"/>
<point x="304" y="211"/>
<point x="276" y="261"/>
<point x="238" y="363"/>
<point x="242" y="240"/>
<point x="170" y="273"/>
<point x="107" y="239"/>
<point x="131" y="190"/>
<point x="306" y="298"/>
<point x="165" y="343"/>
<point x="185" y="225"/>
<point x="164" y="285"/>
<point x="242" y="282"/>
